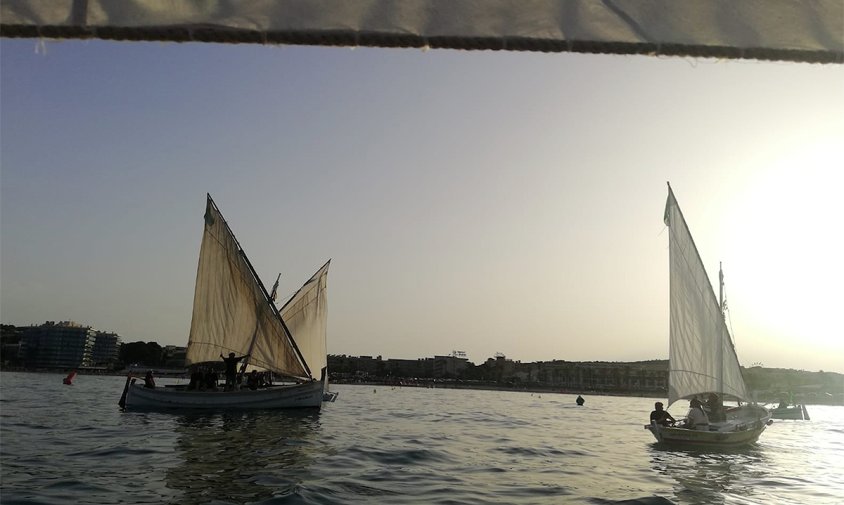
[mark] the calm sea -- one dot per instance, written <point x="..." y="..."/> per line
<point x="71" y="444"/>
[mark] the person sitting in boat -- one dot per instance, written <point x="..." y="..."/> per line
<point x="253" y="382"/>
<point x="211" y="378"/>
<point x="196" y="378"/>
<point x="696" y="419"/>
<point x="149" y="380"/>
<point x="231" y="369"/>
<point x="661" y="416"/>
<point x="715" y="409"/>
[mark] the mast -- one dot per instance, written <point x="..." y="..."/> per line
<point x="670" y="281"/>
<point x="723" y="332"/>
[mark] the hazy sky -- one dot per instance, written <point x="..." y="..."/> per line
<point x="477" y="201"/>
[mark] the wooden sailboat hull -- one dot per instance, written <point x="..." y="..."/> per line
<point x="693" y="438"/>
<point x="306" y="395"/>
<point x="744" y="428"/>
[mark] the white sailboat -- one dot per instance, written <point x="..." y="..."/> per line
<point x="233" y="313"/>
<point x="702" y="358"/>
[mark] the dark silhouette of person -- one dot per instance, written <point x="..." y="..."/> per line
<point x="661" y="416"/>
<point x="580" y="400"/>
<point x="231" y="368"/>
<point x="715" y="409"/>
<point x="210" y="380"/>
<point x="253" y="382"/>
<point x="149" y="380"/>
<point x="196" y="378"/>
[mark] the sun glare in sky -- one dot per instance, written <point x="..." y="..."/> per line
<point x="784" y="230"/>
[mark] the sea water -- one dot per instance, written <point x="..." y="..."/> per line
<point x="392" y="445"/>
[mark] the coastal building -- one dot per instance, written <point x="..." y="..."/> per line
<point x="355" y="366"/>
<point x="65" y="344"/>
<point x="598" y="376"/>
<point x="106" y="349"/>
<point x="10" y="345"/>
<point x="409" y="368"/>
<point x="449" y="367"/>
<point x="173" y="356"/>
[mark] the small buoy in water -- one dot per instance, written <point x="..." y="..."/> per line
<point x="373" y="390"/>
<point x="69" y="379"/>
<point x="580" y="400"/>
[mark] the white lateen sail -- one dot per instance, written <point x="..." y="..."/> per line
<point x="306" y="316"/>
<point x="702" y="358"/>
<point x="231" y="309"/>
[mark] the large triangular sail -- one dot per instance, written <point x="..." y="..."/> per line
<point x="306" y="316"/>
<point x="702" y="358"/>
<point x="232" y="311"/>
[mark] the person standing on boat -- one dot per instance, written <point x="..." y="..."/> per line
<point x="231" y="369"/>
<point x="696" y="418"/>
<point x="661" y="416"/>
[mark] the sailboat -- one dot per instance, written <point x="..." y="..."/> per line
<point x="233" y="313"/>
<point x="787" y="409"/>
<point x="795" y="412"/>
<point x="702" y="357"/>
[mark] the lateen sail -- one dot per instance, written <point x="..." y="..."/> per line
<point x="231" y="307"/>
<point x="702" y="358"/>
<point x="306" y="316"/>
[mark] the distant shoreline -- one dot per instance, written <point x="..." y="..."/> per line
<point x="493" y="387"/>
<point x="433" y="384"/>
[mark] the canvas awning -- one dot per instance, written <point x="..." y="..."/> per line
<point x="810" y="31"/>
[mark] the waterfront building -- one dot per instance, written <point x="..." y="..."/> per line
<point x="174" y="356"/>
<point x="357" y="366"/>
<point x="65" y="344"/>
<point x="10" y="345"/>
<point x="449" y="366"/>
<point x="597" y="376"/>
<point x="409" y="368"/>
<point x="106" y="349"/>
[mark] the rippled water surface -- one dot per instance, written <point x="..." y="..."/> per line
<point x="71" y="444"/>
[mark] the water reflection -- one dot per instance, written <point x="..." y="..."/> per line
<point x="710" y="476"/>
<point x="242" y="456"/>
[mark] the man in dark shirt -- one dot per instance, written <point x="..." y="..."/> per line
<point x="661" y="416"/>
<point x="149" y="380"/>
<point x="715" y="409"/>
<point x="231" y="369"/>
